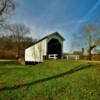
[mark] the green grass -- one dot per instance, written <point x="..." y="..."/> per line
<point x="50" y="80"/>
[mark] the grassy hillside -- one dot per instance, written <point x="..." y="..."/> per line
<point x="50" y="80"/>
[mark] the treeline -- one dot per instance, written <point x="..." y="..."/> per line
<point x="15" y="36"/>
<point x="10" y="48"/>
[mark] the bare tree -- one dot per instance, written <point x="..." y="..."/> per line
<point x="6" y="7"/>
<point x="75" y="43"/>
<point x="90" y="32"/>
<point x="19" y="31"/>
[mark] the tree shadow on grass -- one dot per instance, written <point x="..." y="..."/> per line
<point x="9" y="63"/>
<point x="73" y="70"/>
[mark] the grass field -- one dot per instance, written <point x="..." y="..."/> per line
<point x="50" y="80"/>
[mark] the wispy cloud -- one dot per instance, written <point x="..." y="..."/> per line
<point x="82" y="20"/>
<point x="46" y="16"/>
<point x="92" y="10"/>
<point x="72" y="22"/>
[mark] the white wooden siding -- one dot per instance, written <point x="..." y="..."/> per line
<point x="36" y="52"/>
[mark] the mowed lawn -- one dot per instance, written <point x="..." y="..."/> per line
<point x="50" y="80"/>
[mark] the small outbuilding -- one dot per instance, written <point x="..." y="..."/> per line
<point x="49" y="47"/>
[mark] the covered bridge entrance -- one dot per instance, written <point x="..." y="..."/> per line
<point x="50" y="45"/>
<point x="54" y="47"/>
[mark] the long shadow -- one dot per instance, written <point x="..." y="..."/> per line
<point x="16" y="68"/>
<point x="75" y="69"/>
<point x="8" y="63"/>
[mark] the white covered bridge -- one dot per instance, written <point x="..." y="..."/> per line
<point x="49" y="47"/>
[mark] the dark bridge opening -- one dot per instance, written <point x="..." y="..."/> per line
<point x="54" y="47"/>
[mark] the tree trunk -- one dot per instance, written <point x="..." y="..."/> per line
<point x="89" y="51"/>
<point x="90" y="54"/>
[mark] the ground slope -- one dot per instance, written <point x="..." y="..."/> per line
<point x="50" y="80"/>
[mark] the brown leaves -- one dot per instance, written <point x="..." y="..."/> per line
<point x="89" y="28"/>
<point x="97" y="41"/>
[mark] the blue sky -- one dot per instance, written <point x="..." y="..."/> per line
<point x="64" y="16"/>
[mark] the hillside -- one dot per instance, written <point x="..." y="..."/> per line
<point x="50" y="80"/>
